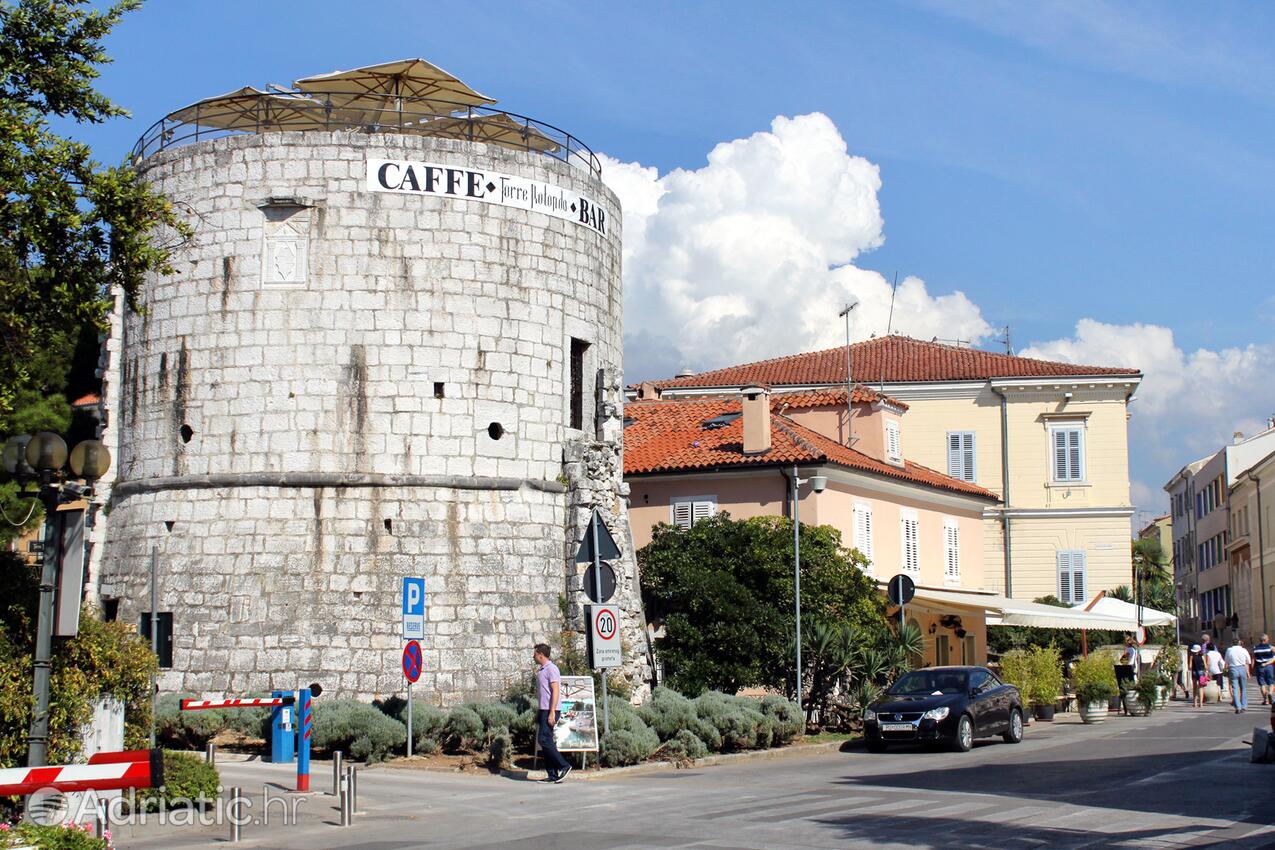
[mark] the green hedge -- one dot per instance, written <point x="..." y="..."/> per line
<point x="359" y="730"/>
<point x="188" y="779"/>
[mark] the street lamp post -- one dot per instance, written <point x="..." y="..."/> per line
<point x="817" y="483"/>
<point x="42" y="458"/>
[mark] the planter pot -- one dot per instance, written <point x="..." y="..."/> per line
<point x="1136" y="709"/>
<point x="1212" y="693"/>
<point x="1094" y="712"/>
<point x="1043" y="712"/>
<point x="1114" y="704"/>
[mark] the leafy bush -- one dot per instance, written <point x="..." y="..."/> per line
<point x="1147" y="690"/>
<point x="667" y="712"/>
<point x="188" y="780"/>
<point x="621" y="747"/>
<point x="103" y="659"/>
<point x="464" y="728"/>
<point x="360" y="730"/>
<point x="425" y="746"/>
<point x="1094" y="678"/>
<point x="523" y="730"/>
<point x="500" y="751"/>
<point x="741" y="726"/>
<point x="685" y="746"/>
<point x="1016" y="669"/>
<point x="55" y="837"/>
<point x="1046" y="675"/>
<point x="496" y="716"/>
<point x="427" y="724"/>
<point x="787" y="719"/>
<point x="185" y="730"/>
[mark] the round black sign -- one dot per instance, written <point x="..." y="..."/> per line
<point x="608" y="583"/>
<point x="901" y="589"/>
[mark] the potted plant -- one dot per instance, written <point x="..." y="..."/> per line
<point x="1016" y="669"/>
<point x="1146" y="693"/>
<point x="1046" y="680"/>
<point x="1094" y="679"/>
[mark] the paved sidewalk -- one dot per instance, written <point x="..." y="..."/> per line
<point x="1179" y="778"/>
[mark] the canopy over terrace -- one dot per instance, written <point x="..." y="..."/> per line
<point x="1109" y="606"/>
<point x="1001" y="611"/>
<point x="408" y="96"/>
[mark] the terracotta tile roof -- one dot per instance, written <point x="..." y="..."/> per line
<point x="894" y="359"/>
<point x="670" y="436"/>
<point x="830" y="397"/>
<point x="88" y="400"/>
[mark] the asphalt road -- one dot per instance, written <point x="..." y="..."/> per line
<point x="1180" y="778"/>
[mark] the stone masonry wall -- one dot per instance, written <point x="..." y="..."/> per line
<point x="292" y="451"/>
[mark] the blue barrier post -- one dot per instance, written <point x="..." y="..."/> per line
<point x="304" y="700"/>
<point x="282" y="730"/>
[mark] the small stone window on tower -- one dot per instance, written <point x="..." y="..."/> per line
<point x="286" y="252"/>
<point x="578" y="349"/>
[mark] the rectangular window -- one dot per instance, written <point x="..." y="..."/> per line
<point x="688" y="510"/>
<point x="1071" y="576"/>
<point x="163" y="635"/>
<point x="578" y="348"/>
<point x="863" y="531"/>
<point x="951" y="551"/>
<point x="1068" y="452"/>
<point x="942" y="650"/>
<point x="909" y="528"/>
<point x="960" y="455"/>
<point x="893" y="446"/>
<point x="967" y="650"/>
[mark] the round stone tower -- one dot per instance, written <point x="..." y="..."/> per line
<point x="383" y="354"/>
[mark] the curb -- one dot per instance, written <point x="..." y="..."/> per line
<point x="707" y="761"/>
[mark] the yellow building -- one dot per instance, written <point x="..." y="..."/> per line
<point x="1049" y="439"/>
<point x="1251" y="549"/>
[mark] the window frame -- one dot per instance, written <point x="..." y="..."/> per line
<point x="959" y="472"/>
<point x="1078" y="428"/>
<point x="693" y="501"/>
<point x="1071" y="597"/>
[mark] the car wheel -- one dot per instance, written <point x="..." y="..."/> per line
<point x="1015" y="732"/>
<point x="876" y="746"/>
<point x="963" y="742"/>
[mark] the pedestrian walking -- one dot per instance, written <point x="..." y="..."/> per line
<point x="1264" y="666"/>
<point x="1238" y="662"/>
<point x="1199" y="674"/>
<point x="1206" y="643"/>
<point x="1216" y="665"/>
<point x="549" y="690"/>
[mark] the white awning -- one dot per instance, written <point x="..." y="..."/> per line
<point x="1109" y="606"/>
<point x="1001" y="611"/>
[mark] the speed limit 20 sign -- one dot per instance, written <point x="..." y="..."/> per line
<point x="604" y="636"/>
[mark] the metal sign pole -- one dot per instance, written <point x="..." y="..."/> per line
<point x="796" y="571"/>
<point x="597" y="588"/>
<point x="154" y="635"/>
<point x="409" y="718"/>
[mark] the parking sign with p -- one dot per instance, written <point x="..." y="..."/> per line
<point x="413" y="608"/>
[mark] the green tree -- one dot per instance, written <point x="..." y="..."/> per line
<point x="725" y="590"/>
<point x="70" y="229"/>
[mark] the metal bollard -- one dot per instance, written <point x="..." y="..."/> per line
<point x="347" y="809"/>
<point x="102" y="819"/>
<point x="210" y="755"/>
<point x="233" y="812"/>
<point x="354" y="790"/>
<point x="336" y="774"/>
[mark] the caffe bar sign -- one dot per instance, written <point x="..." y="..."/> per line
<point x="488" y="187"/>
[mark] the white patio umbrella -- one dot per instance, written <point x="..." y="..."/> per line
<point x="497" y="129"/>
<point x="252" y="109"/>
<point x="1109" y="606"/>
<point x="393" y="93"/>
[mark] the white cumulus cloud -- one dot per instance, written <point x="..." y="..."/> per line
<point x="751" y="255"/>
<point x="1190" y="402"/>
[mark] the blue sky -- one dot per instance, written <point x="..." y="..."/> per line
<point x="1053" y="162"/>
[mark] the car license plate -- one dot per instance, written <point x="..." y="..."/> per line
<point x="896" y="727"/>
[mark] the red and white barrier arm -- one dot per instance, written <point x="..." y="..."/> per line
<point x="264" y="702"/>
<point x="102" y="776"/>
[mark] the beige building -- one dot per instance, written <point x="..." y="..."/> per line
<point x="688" y="460"/>
<point x="1251" y="549"/>
<point x="1049" y="439"/>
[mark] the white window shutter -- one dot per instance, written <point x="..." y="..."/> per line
<point x="682" y="514"/>
<point x="967" y="456"/>
<point x="893" y="449"/>
<point x="952" y="550"/>
<point x="954" y="468"/>
<point x="1073" y="454"/>
<point x="1078" y="575"/>
<point x="1064" y="576"/>
<point x="863" y="531"/>
<point x="1060" y="455"/>
<point x="703" y="510"/>
<point x="911" y="555"/>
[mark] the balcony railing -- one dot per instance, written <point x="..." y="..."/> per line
<point x="254" y="111"/>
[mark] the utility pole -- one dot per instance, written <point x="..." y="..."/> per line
<point x="850" y="305"/>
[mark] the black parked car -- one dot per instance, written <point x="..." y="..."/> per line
<point x="952" y="705"/>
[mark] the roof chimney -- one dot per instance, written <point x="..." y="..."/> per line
<point x="756" y="420"/>
<point x="647" y="391"/>
<point x="1237" y="437"/>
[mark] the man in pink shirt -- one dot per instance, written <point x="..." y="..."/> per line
<point x="549" y="690"/>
